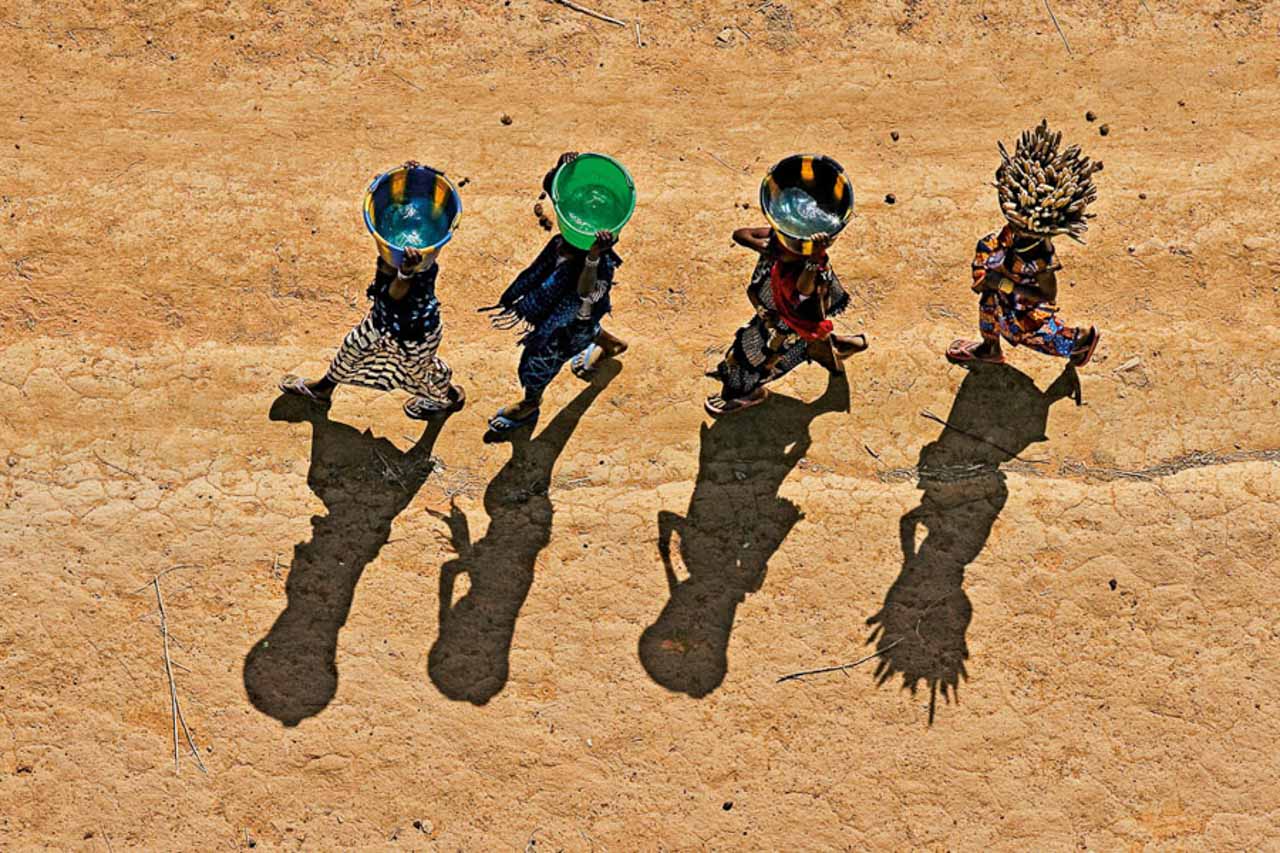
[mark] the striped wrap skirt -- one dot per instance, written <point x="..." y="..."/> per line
<point x="373" y="358"/>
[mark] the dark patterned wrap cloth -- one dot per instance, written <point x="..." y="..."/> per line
<point x="556" y="322"/>
<point x="749" y="364"/>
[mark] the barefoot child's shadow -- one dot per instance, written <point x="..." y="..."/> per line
<point x="735" y="522"/>
<point x="920" y="631"/>
<point x="364" y="482"/>
<point x="470" y="658"/>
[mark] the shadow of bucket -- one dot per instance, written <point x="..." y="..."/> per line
<point x="823" y="179"/>
<point x="404" y="184"/>
<point x="590" y="193"/>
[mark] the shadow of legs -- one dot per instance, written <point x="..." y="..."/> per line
<point x="736" y="521"/>
<point x="364" y="482"/>
<point x="920" y="631"/>
<point x="470" y="658"/>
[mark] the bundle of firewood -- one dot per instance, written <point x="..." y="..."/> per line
<point x="1044" y="191"/>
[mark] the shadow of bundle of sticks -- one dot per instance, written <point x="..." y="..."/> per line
<point x="469" y="661"/>
<point x="920" y="631"/>
<point x="735" y="523"/>
<point x="364" y="482"/>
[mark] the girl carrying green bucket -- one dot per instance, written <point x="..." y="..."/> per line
<point x="395" y="346"/>
<point x="561" y="299"/>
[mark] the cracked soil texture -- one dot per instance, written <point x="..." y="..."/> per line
<point x="396" y="638"/>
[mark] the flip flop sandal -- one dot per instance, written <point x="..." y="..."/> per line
<point x="297" y="386"/>
<point x="854" y="349"/>
<point x="961" y="352"/>
<point x="1081" y="359"/>
<point x="717" y="406"/>
<point x="581" y="364"/>
<point x="418" y="409"/>
<point x="500" y="424"/>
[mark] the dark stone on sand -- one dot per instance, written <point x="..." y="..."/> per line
<point x="890" y="199"/>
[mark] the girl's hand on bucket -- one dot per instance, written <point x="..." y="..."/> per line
<point x="412" y="257"/>
<point x="566" y="157"/>
<point x="821" y="242"/>
<point x="604" y="239"/>
<point x="411" y="164"/>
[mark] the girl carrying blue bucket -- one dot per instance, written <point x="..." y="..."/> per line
<point x="395" y="346"/>
<point x="807" y="200"/>
<point x="561" y="298"/>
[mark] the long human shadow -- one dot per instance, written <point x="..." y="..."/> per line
<point x="735" y="522"/>
<point x="920" y="630"/>
<point x="469" y="661"/>
<point x="364" y="482"/>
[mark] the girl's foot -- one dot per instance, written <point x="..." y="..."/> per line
<point x="847" y="346"/>
<point x="964" y="352"/>
<point x="510" y="420"/>
<point x="300" y="387"/>
<point x="1084" y="352"/>
<point x="584" y="363"/>
<point x="717" y="405"/>
<point x="421" y="409"/>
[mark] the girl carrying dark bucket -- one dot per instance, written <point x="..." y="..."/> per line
<point x="1043" y="192"/>
<point x="396" y="344"/>
<point x="559" y="300"/>
<point x="795" y="296"/>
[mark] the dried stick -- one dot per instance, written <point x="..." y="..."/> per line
<point x="1054" y="18"/>
<point x="840" y="668"/>
<point x="404" y="80"/>
<point x="175" y="707"/>
<point x="931" y="416"/>
<point x="637" y="23"/>
<point x="718" y="160"/>
<point x="584" y="10"/>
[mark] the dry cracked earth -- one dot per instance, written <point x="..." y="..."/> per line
<point x="387" y="637"/>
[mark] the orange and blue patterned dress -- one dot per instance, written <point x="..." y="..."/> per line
<point x="1003" y="312"/>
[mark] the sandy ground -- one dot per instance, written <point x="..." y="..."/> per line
<point x="362" y="666"/>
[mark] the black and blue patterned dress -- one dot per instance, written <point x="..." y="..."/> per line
<point x="397" y="343"/>
<point x="558" y="323"/>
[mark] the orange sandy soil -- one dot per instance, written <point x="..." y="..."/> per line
<point x="180" y="226"/>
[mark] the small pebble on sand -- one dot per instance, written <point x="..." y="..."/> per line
<point x="1105" y="129"/>
<point x="890" y="199"/>
<point x="1090" y="116"/>
<point x="893" y="134"/>
<point x="506" y="119"/>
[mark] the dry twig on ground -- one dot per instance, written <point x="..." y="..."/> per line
<point x="840" y="668"/>
<point x="175" y="707"/>
<point x="1063" y="35"/>
<point x="584" y="10"/>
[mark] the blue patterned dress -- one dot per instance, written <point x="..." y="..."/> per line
<point x="558" y="323"/>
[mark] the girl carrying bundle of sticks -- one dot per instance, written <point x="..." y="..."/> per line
<point x="1043" y="193"/>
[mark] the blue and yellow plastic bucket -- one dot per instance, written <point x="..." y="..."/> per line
<point x="437" y="201"/>
<point x="823" y="185"/>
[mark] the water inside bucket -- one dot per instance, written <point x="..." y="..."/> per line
<point x="590" y="207"/>
<point x="412" y="224"/>
<point x="800" y="215"/>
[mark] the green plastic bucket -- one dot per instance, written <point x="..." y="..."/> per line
<point x="592" y="193"/>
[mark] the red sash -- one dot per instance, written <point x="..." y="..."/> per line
<point x="788" y="299"/>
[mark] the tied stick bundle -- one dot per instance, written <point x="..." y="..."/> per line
<point x="1044" y="191"/>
